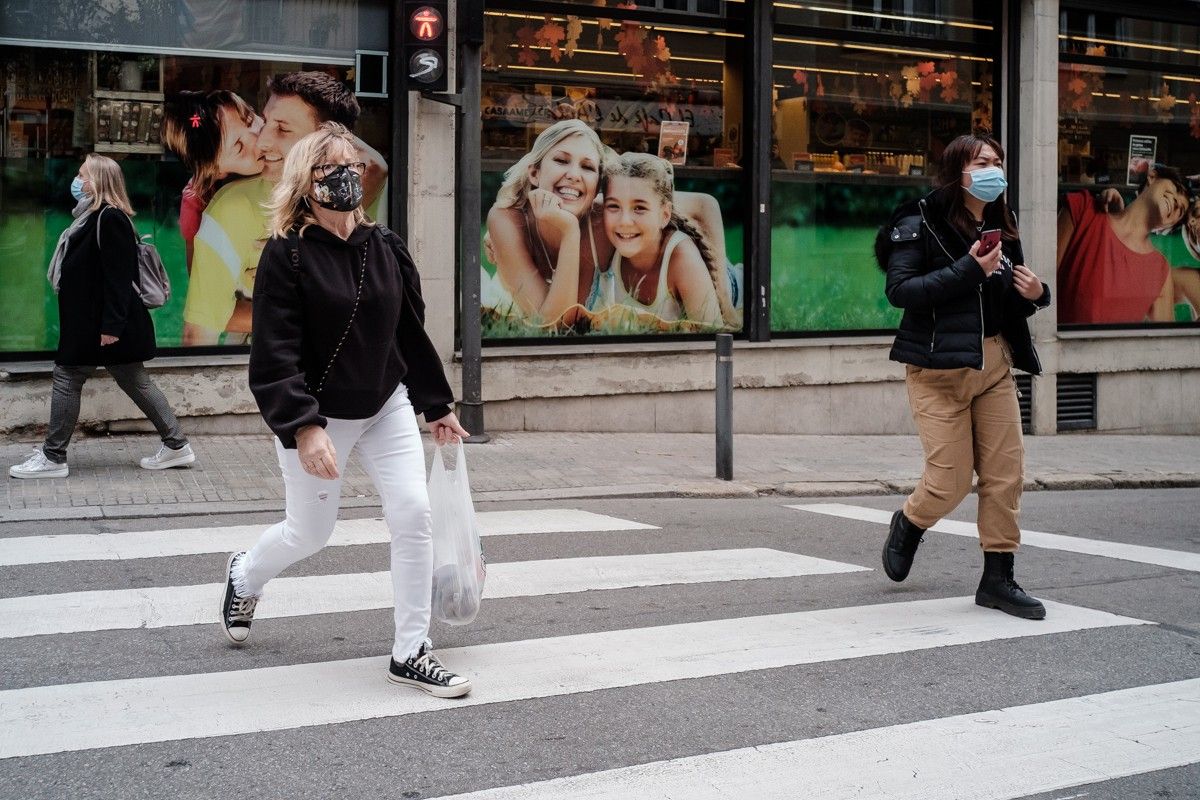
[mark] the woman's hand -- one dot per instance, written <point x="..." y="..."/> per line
<point x="1028" y="285"/>
<point x="989" y="263"/>
<point x="317" y="455"/>
<point x="1110" y="201"/>
<point x="447" y="430"/>
<point x="105" y="339"/>
<point x="547" y="207"/>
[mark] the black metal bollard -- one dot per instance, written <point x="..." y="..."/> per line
<point x="724" y="406"/>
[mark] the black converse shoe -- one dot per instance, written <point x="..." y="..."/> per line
<point x="237" y="612"/>
<point x="427" y="674"/>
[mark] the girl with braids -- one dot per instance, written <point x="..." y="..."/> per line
<point x="662" y="266"/>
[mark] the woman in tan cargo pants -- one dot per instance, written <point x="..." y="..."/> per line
<point x="964" y="328"/>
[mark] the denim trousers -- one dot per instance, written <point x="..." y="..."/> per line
<point x="970" y="422"/>
<point x="390" y="450"/>
<point x="133" y="380"/>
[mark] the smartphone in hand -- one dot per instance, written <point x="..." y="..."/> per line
<point x="988" y="240"/>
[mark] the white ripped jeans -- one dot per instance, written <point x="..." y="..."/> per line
<point x="389" y="446"/>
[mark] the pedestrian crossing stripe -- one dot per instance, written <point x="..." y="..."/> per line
<point x="1175" y="559"/>
<point x="82" y="716"/>
<point x="161" y="607"/>
<point x="228" y="539"/>
<point x="993" y="755"/>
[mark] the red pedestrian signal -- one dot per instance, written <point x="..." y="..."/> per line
<point x="426" y="45"/>
<point x="426" y="23"/>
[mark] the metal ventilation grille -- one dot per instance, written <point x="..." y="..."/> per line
<point x="1025" y="400"/>
<point x="1076" y="402"/>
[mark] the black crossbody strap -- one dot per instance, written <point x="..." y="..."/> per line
<point x="294" y="246"/>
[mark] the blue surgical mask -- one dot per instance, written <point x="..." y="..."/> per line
<point x="77" y="188"/>
<point x="987" y="183"/>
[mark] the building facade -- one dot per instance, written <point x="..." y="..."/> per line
<point x="648" y="174"/>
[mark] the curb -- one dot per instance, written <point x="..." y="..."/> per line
<point x="711" y="490"/>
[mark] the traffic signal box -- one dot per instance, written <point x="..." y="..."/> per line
<point x="426" y="50"/>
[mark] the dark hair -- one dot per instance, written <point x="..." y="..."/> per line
<point x="1164" y="173"/>
<point x="191" y="128"/>
<point x="955" y="157"/>
<point x="332" y="100"/>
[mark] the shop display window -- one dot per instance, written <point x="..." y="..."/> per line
<point x="634" y="128"/>
<point x="858" y="129"/>
<point x="1129" y="171"/>
<point x="62" y="103"/>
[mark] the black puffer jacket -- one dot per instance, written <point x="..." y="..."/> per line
<point x="933" y="277"/>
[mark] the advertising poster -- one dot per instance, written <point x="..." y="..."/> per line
<point x="672" y="142"/>
<point x="582" y="238"/>
<point x="1142" y="151"/>
<point x="200" y="144"/>
<point x="1132" y="257"/>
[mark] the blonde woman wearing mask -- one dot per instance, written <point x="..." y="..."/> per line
<point x="102" y="322"/>
<point x="341" y="362"/>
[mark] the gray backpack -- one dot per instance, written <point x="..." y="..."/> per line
<point x="153" y="286"/>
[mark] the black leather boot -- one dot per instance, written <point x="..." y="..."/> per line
<point x="997" y="589"/>
<point x="901" y="547"/>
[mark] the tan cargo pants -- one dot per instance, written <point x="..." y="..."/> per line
<point x="969" y="421"/>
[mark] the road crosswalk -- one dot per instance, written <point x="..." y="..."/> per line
<point x="1070" y="740"/>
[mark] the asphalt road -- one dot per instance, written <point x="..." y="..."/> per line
<point x="641" y="712"/>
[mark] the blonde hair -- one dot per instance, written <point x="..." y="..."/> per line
<point x="661" y="175"/>
<point x="514" y="192"/>
<point x="108" y="183"/>
<point x="289" y="205"/>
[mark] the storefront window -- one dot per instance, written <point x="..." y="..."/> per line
<point x="1129" y="171"/>
<point x="187" y="130"/>
<point x="621" y="211"/>
<point x="858" y="128"/>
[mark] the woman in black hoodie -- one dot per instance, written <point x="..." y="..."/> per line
<point x="964" y="328"/>
<point x="340" y="361"/>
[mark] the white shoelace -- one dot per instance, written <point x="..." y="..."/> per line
<point x="242" y="609"/>
<point x="429" y="666"/>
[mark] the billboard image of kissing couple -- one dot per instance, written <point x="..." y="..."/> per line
<point x="583" y="240"/>
<point x="1130" y="260"/>
<point x="235" y="157"/>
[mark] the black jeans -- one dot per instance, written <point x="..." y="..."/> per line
<point x="133" y="380"/>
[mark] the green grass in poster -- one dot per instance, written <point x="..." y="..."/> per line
<point x="824" y="278"/>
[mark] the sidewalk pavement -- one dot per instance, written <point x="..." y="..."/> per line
<point x="241" y="474"/>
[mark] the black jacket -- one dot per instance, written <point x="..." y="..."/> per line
<point x="931" y="275"/>
<point x="96" y="295"/>
<point x="300" y="315"/>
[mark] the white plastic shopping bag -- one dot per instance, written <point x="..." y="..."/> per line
<point x="458" y="565"/>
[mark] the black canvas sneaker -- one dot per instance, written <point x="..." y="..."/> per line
<point x="427" y="674"/>
<point x="237" y="612"/>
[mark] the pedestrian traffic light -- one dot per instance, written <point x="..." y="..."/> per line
<point x="426" y="38"/>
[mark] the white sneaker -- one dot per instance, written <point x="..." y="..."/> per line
<point x="166" y="458"/>
<point x="38" y="466"/>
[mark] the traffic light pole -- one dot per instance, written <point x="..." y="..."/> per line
<point x="467" y="175"/>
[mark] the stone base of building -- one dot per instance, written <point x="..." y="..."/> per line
<point x="809" y="386"/>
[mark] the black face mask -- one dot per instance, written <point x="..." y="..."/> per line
<point x="340" y="190"/>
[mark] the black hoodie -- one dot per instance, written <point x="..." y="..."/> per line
<point x="302" y="311"/>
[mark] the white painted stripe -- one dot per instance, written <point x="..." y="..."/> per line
<point x="162" y="607"/>
<point x="993" y="755"/>
<point x="81" y="716"/>
<point x="1175" y="559"/>
<point x="228" y="539"/>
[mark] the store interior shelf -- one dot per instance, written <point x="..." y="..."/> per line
<point x="113" y="94"/>
<point x="858" y="178"/>
<point x="128" y="147"/>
